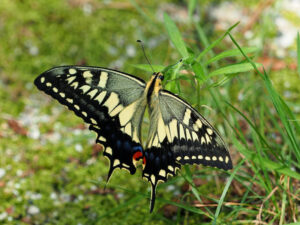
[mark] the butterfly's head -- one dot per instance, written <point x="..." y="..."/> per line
<point x="158" y="76"/>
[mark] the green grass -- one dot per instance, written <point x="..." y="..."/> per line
<point x="62" y="172"/>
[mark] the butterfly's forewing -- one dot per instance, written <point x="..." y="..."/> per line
<point x="110" y="101"/>
<point x="178" y="135"/>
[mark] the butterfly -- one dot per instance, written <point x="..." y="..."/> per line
<point x="113" y="103"/>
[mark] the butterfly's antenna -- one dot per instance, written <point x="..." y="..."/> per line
<point x="143" y="49"/>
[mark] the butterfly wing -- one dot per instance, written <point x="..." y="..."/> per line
<point x="109" y="101"/>
<point x="178" y="135"/>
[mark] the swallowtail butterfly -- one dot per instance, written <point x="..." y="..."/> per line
<point x="113" y="104"/>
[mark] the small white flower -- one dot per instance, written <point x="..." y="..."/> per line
<point x="19" y="172"/>
<point x="3" y="216"/>
<point x="78" y="147"/>
<point x="2" y="172"/>
<point x="33" y="210"/>
<point x="53" y="196"/>
<point x="130" y="50"/>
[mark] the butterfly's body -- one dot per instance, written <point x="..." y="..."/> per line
<point x="114" y="103"/>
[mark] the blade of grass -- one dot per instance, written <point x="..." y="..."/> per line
<point x="235" y="68"/>
<point x="199" y="72"/>
<point x="121" y="206"/>
<point x="188" y="177"/>
<point x="269" y="164"/>
<point x="202" y="36"/>
<point x="284" y="202"/>
<point x="175" y="36"/>
<point x="226" y="190"/>
<point x="231" y="53"/>
<point x="277" y="104"/>
<point x="298" y="53"/>
<point x="215" y="42"/>
<point x="143" y="14"/>
<point x="191" y="8"/>
<point x="262" y="139"/>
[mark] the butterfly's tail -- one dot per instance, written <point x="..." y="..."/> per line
<point x="152" y="200"/>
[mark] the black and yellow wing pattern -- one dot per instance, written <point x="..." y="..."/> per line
<point x="113" y="104"/>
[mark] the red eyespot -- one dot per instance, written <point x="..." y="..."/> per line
<point x="137" y="156"/>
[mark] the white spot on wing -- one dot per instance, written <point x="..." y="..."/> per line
<point x="42" y="79"/>
<point x="173" y="129"/>
<point x="104" y="140"/>
<point x="196" y="128"/>
<point x="77" y="107"/>
<point x="108" y="150"/>
<point x="71" y="79"/>
<point x="199" y="123"/>
<point x="85" y="88"/>
<point x="226" y="159"/>
<point x="103" y="79"/>
<point x="171" y="168"/>
<point x="93" y="121"/>
<point x="125" y="165"/>
<point x="187" y="116"/>
<point x="194" y="135"/>
<point x="153" y="179"/>
<point x="203" y="140"/>
<point x="69" y="100"/>
<point x="168" y="133"/>
<point x="127" y="113"/>
<point x="75" y="85"/>
<point x="55" y="89"/>
<point x="161" y="132"/>
<point x="88" y="77"/>
<point x="135" y="136"/>
<point x="62" y="94"/>
<point x="116" y="110"/>
<point x="188" y="135"/>
<point x="93" y="93"/>
<point x="72" y="71"/>
<point x="100" y="97"/>
<point x="112" y="101"/>
<point x="162" y="173"/>
<point x="84" y="113"/>
<point x="48" y="84"/>
<point x="128" y="129"/>
<point x="87" y="74"/>
<point x="155" y="141"/>
<point x="207" y="138"/>
<point x="181" y="131"/>
<point x="209" y="131"/>
<point x="116" y="162"/>
<point x="221" y="159"/>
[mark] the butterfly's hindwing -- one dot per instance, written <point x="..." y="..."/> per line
<point x="108" y="100"/>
